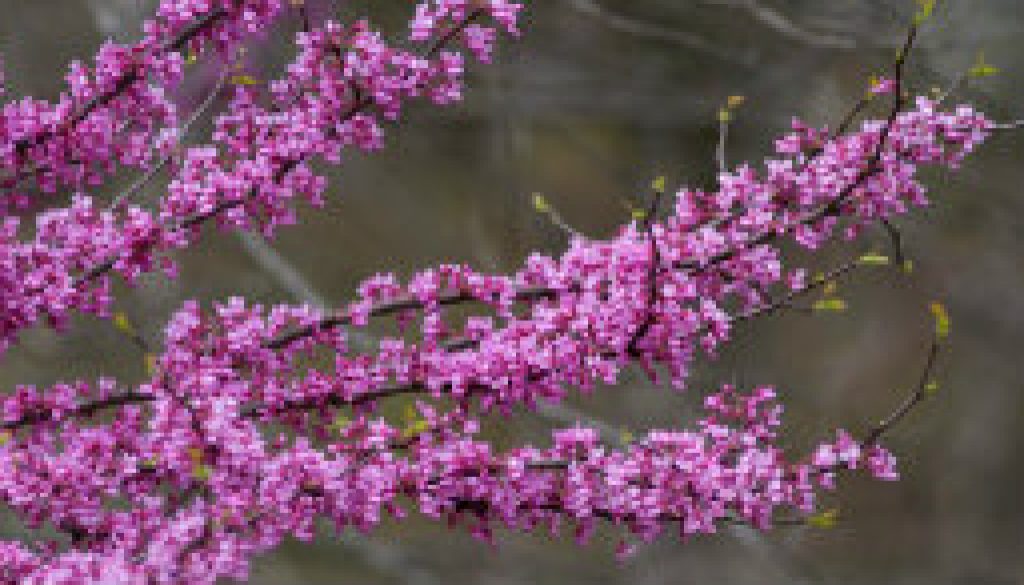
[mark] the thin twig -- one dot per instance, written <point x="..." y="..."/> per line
<point x="654" y="31"/>
<point x="919" y="393"/>
<point x="182" y="132"/>
<point x="723" y="135"/>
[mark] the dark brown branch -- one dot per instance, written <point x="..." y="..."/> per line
<point x="917" y="396"/>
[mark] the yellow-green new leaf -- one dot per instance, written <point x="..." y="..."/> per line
<point x="825" y="519"/>
<point x="626" y="437"/>
<point x="150" y="363"/>
<point x="540" y="203"/>
<point x="121" y="323"/>
<point x="941" y="320"/>
<point x="835" y="305"/>
<point x="925" y="10"/>
<point x="658" y="185"/>
<point x="982" y="68"/>
<point x="874" y="260"/>
<point x="243" y="80"/>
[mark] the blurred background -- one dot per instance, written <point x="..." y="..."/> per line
<point x="596" y="99"/>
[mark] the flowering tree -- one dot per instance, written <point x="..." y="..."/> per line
<point x="256" y="422"/>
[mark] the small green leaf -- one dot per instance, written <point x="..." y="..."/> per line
<point x="724" y="115"/>
<point x="540" y="203"/>
<point x="150" y="363"/>
<point x="931" y="388"/>
<point x="830" y="286"/>
<point x="243" y="80"/>
<point x="415" y="428"/>
<point x="832" y="304"/>
<point x="908" y="266"/>
<point x="339" y="423"/>
<point x="981" y="68"/>
<point x="409" y="414"/>
<point x="658" y="184"/>
<point x="941" y="320"/>
<point x="874" y="260"/>
<point x="924" y="10"/>
<point x="984" y="71"/>
<point x="826" y="519"/>
<point x="873" y="81"/>
<point x="122" y="323"/>
<point x="626" y="437"/>
<point x="202" y="472"/>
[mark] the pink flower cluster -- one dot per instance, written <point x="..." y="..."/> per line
<point x="342" y="84"/>
<point x="117" y="111"/>
<point x="201" y="488"/>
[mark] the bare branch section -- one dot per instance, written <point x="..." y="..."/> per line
<point x="657" y="32"/>
<point x="784" y="26"/>
<point x="916" y="397"/>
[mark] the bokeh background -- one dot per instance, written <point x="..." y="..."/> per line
<point x="597" y="98"/>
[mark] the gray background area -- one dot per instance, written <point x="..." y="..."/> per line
<point x="597" y="98"/>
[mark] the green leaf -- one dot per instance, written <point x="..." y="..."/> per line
<point x="540" y="203"/>
<point x="830" y="286"/>
<point x="924" y="10"/>
<point x="150" y="360"/>
<point x="339" y="423"/>
<point x="832" y="304"/>
<point x="121" y="323"/>
<point x="872" y="259"/>
<point x="941" y="320"/>
<point x="202" y="472"/>
<point x="825" y="519"/>
<point x="931" y="388"/>
<point x="415" y="428"/>
<point x="658" y="184"/>
<point x="243" y="80"/>
<point x="981" y="68"/>
<point x="626" y="437"/>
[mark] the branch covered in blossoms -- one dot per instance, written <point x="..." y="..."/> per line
<point x="256" y="423"/>
<point x="345" y="81"/>
<point x="189" y="448"/>
<point x="117" y="111"/>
